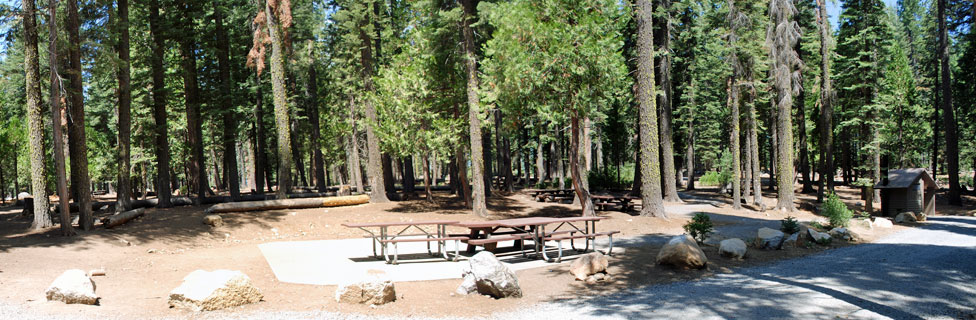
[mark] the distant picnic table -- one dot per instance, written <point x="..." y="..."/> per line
<point x="553" y="195"/>
<point x="603" y="201"/>
<point x="381" y="236"/>
<point x="489" y="233"/>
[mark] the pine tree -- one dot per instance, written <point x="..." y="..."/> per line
<point x="664" y="67"/>
<point x="124" y="192"/>
<point x="194" y="122"/>
<point x="35" y="124"/>
<point x="952" y="142"/>
<point x="228" y="114"/>
<point x="781" y="38"/>
<point x="161" y="128"/>
<point x="474" y="112"/>
<point x="57" y="137"/>
<point x="651" y="197"/>
<point x="77" y="138"/>
<point x="826" y="102"/>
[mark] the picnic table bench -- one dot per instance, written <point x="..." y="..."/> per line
<point x="485" y="233"/>
<point x="602" y="201"/>
<point x="384" y="238"/>
<point x="552" y="195"/>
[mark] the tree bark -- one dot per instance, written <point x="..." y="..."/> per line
<point x="313" y="118"/>
<point x="77" y="145"/>
<point x="161" y="129"/>
<point x="427" y="193"/>
<point x="297" y="156"/>
<point x="948" y="117"/>
<point x="124" y="192"/>
<point x="580" y="183"/>
<point x="753" y="136"/>
<point x="282" y="121"/>
<point x="194" y="122"/>
<point x="690" y="140"/>
<point x="474" y="112"/>
<point x="228" y="112"/>
<point x="670" y="188"/>
<point x="733" y="101"/>
<point x="409" y="179"/>
<point x="57" y="137"/>
<point x="35" y="122"/>
<point x="651" y="198"/>
<point x="355" y="168"/>
<point x="826" y="107"/>
<point x="260" y="157"/>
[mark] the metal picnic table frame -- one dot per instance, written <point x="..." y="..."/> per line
<point x="535" y="228"/>
<point x="385" y="235"/>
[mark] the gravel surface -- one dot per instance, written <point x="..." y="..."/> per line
<point x="925" y="273"/>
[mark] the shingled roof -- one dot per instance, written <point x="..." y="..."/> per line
<point x="904" y="178"/>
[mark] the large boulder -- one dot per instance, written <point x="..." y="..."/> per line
<point x="770" y="239"/>
<point x="906" y="217"/>
<point x="882" y="222"/>
<point x="865" y="224"/>
<point x="683" y="252"/>
<point x="374" y="289"/>
<point x="589" y="264"/>
<point x="491" y="277"/>
<point x="841" y="233"/>
<point x="792" y="241"/>
<point x="732" y="248"/>
<point x="213" y="290"/>
<point x="72" y="286"/>
<point x="818" y="236"/>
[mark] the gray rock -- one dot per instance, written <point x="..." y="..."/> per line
<point x="921" y="217"/>
<point x="733" y="248"/>
<point x="374" y="289"/>
<point x="905" y="217"/>
<point x="468" y="285"/>
<point x="770" y="239"/>
<point x="792" y="240"/>
<point x="72" y="286"/>
<point x="589" y="264"/>
<point x="491" y="277"/>
<point x="213" y="290"/>
<point x="862" y="224"/>
<point x="817" y="236"/>
<point x="841" y="233"/>
<point x="683" y="252"/>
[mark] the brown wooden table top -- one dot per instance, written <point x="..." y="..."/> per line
<point x="399" y="223"/>
<point x="522" y="222"/>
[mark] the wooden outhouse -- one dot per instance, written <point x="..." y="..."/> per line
<point x="911" y="190"/>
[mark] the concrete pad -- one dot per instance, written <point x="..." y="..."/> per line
<point x="327" y="262"/>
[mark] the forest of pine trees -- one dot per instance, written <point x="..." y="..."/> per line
<point x="175" y="98"/>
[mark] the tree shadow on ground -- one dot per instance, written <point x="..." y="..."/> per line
<point x="173" y="225"/>
<point x="895" y="280"/>
<point x="446" y="203"/>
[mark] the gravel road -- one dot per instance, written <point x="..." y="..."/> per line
<point x="925" y="273"/>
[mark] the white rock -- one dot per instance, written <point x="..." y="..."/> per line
<point x="920" y="217"/>
<point x="733" y="248"/>
<point x="374" y="289"/>
<point x="491" y="277"/>
<point x="213" y="290"/>
<point x="72" y="286"/>
<point x="468" y="285"/>
<point x="841" y="233"/>
<point x="863" y="223"/>
<point x="589" y="264"/>
<point x="882" y="222"/>
<point x="905" y="217"/>
<point x="767" y="238"/>
<point x="683" y="252"/>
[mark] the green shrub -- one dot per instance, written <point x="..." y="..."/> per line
<point x="817" y="226"/>
<point x="824" y="241"/>
<point x="789" y="225"/>
<point x="715" y="178"/>
<point x="699" y="227"/>
<point x="836" y="211"/>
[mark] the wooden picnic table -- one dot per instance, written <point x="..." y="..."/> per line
<point x="383" y="237"/>
<point x="534" y="228"/>
<point x="551" y="194"/>
<point x="602" y="201"/>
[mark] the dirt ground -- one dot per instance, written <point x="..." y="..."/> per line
<point x="148" y="257"/>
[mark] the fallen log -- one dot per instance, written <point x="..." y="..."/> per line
<point x="121" y="218"/>
<point x="288" y="204"/>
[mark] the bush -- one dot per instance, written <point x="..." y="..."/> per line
<point x="836" y="211"/>
<point x="715" y="178"/>
<point x="699" y="227"/>
<point x="789" y="225"/>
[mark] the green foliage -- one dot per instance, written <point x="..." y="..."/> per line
<point x="836" y="211"/>
<point x="789" y="225"/>
<point x="715" y="178"/>
<point x="699" y="227"/>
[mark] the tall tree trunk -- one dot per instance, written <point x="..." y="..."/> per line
<point x="124" y="193"/>
<point x="670" y="188"/>
<point x="801" y="120"/>
<point x="735" y="148"/>
<point x="560" y="170"/>
<point x="35" y="122"/>
<point x="77" y="145"/>
<point x="355" y="168"/>
<point x="952" y="143"/>
<point x="194" y="121"/>
<point x="540" y="165"/>
<point x="161" y="128"/>
<point x="690" y="136"/>
<point x="260" y="156"/>
<point x="428" y="195"/>
<point x="282" y="121"/>
<point x="580" y="183"/>
<point x="474" y="112"/>
<point x="650" y="172"/>
<point x="781" y="36"/>
<point x="409" y="179"/>
<point x="374" y="166"/>
<point x="297" y="156"/>
<point x="826" y="107"/>
<point x="228" y="112"/>
<point x="753" y="136"/>
<point x="57" y="137"/>
<point x="318" y="162"/>
<point x="746" y="164"/>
